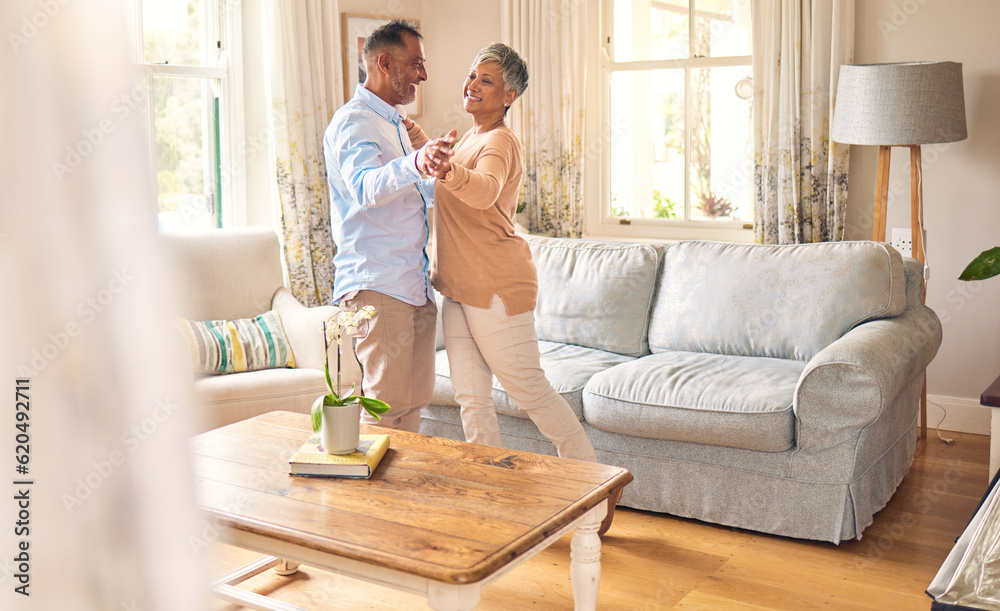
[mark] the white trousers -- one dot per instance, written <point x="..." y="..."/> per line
<point x="482" y="343"/>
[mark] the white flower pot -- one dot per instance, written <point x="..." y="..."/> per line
<point x="340" y="432"/>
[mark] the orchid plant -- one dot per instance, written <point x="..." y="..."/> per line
<point x="345" y="322"/>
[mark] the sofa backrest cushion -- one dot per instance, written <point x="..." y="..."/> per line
<point x="914" y="272"/>
<point x="594" y="294"/>
<point x="773" y="301"/>
<point x="225" y="274"/>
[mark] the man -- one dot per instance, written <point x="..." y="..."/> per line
<point x="379" y="202"/>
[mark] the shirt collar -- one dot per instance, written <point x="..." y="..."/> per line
<point x="381" y="108"/>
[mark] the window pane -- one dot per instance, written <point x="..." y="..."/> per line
<point x="720" y="144"/>
<point x="186" y="132"/>
<point x="722" y="27"/>
<point x="173" y="32"/>
<point x="647" y="144"/>
<point x="648" y="30"/>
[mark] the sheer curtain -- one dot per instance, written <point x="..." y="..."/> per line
<point x="109" y="516"/>
<point x="304" y="57"/>
<point x="549" y="35"/>
<point x="800" y="176"/>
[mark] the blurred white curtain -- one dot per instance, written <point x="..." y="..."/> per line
<point x="800" y="175"/>
<point x="110" y="513"/>
<point x="550" y="36"/>
<point x="306" y="87"/>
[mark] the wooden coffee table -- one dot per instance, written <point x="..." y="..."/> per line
<point x="439" y="517"/>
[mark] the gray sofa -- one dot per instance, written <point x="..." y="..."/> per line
<point x="771" y="388"/>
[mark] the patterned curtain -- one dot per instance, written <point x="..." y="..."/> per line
<point x="549" y="35"/>
<point x="800" y="176"/>
<point x="303" y="50"/>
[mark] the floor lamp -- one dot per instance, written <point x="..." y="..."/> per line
<point x="903" y="104"/>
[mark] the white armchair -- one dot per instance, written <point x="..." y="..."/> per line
<point x="229" y="274"/>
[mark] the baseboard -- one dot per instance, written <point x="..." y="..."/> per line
<point x="960" y="415"/>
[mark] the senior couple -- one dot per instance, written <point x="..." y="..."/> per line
<point x="384" y="173"/>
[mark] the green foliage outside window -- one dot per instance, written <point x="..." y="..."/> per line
<point x="664" y="207"/>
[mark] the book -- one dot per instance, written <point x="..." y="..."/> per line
<point x="311" y="460"/>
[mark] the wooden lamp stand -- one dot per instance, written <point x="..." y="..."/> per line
<point x="916" y="236"/>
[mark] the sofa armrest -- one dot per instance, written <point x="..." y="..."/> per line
<point x="304" y="329"/>
<point x="854" y="389"/>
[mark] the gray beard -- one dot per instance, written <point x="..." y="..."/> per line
<point x="402" y="89"/>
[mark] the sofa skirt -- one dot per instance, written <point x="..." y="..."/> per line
<point x="717" y="484"/>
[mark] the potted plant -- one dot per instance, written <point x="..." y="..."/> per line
<point x="336" y="417"/>
<point x="714" y="206"/>
<point x="984" y="266"/>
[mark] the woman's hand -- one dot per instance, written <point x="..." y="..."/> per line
<point x="434" y="158"/>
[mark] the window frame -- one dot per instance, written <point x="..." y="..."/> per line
<point x="226" y="30"/>
<point x="599" y="220"/>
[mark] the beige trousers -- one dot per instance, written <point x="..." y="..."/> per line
<point x="397" y="357"/>
<point x="482" y="343"/>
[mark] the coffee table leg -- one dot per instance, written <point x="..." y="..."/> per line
<point x="286" y="568"/>
<point x="585" y="560"/>
<point x="452" y="597"/>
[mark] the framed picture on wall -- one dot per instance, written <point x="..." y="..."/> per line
<point x="356" y="29"/>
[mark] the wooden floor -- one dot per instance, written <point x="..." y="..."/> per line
<point x="653" y="562"/>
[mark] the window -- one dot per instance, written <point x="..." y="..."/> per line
<point x="677" y="117"/>
<point x="187" y="78"/>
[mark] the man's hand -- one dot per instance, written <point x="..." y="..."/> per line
<point x="434" y="157"/>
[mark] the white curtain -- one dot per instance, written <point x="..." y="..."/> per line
<point x="800" y="176"/>
<point x="549" y="35"/>
<point x="107" y="507"/>
<point x="305" y="82"/>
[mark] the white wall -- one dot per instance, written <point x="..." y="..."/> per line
<point x="961" y="188"/>
<point x="454" y="31"/>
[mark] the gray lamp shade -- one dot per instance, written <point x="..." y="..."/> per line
<point x="900" y="104"/>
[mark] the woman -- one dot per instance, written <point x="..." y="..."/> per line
<point x="485" y="271"/>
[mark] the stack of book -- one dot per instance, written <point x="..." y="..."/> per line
<point x="311" y="460"/>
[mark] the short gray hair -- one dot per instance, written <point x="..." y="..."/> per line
<point x="512" y="67"/>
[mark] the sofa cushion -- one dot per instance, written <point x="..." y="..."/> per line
<point x="233" y="346"/>
<point x="714" y="399"/>
<point x="913" y="270"/>
<point x="567" y="367"/>
<point x="223" y="400"/>
<point x="785" y="302"/>
<point x="594" y="294"/>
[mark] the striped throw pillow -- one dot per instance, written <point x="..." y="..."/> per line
<point x="230" y="346"/>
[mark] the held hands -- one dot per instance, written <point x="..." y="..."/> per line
<point x="434" y="158"/>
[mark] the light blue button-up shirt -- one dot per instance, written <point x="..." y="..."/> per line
<point x="378" y="202"/>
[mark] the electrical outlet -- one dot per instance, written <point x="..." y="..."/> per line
<point x="902" y="240"/>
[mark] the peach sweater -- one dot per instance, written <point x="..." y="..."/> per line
<point x="476" y="252"/>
